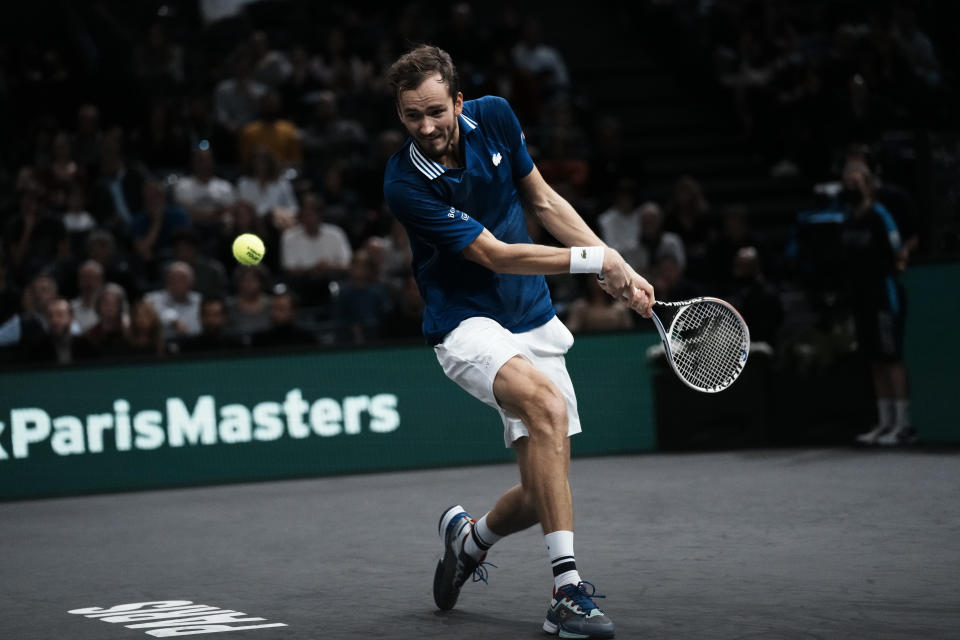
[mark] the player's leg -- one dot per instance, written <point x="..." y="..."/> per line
<point x="544" y="460"/>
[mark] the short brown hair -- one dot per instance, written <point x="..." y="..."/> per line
<point x="418" y="64"/>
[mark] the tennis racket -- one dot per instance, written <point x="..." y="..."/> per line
<point x="706" y="342"/>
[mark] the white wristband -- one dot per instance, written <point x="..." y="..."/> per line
<point x="586" y="259"/>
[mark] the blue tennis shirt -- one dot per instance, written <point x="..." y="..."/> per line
<point x="445" y="209"/>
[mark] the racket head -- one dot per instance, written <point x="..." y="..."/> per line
<point x="707" y="343"/>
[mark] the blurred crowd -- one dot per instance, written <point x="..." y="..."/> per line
<point x="146" y="136"/>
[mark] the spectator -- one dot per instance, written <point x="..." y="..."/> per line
<point x="270" y="193"/>
<point x="249" y="311"/>
<point x="544" y="63"/>
<point x="153" y="228"/>
<point x="60" y="345"/>
<point x="177" y="304"/>
<point x="597" y="311"/>
<point x="146" y="334"/>
<point x="117" y="193"/>
<point x="362" y="302"/>
<point x="278" y="136"/>
<point x="299" y="91"/>
<point x="213" y="335"/>
<point x="236" y="99"/>
<point x="283" y="330"/>
<point x="109" y="334"/>
<point x="653" y="242"/>
<point x="204" y="195"/>
<point x="162" y="141"/>
<point x="331" y="135"/>
<point x="209" y="276"/>
<point x="754" y="297"/>
<point x="76" y="219"/>
<point x="405" y="319"/>
<point x="88" y="138"/>
<point x="620" y="224"/>
<point x="670" y="281"/>
<point x="392" y="256"/>
<point x="271" y="67"/>
<point x="313" y="252"/>
<point x="62" y="170"/>
<point x="89" y="284"/>
<point x="34" y="237"/>
<point x="735" y="234"/>
<point x="102" y="247"/>
<point x="687" y="215"/>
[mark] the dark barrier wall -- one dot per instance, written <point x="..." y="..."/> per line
<point x="933" y="351"/>
<point x="193" y="422"/>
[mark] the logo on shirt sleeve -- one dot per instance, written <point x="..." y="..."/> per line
<point x="496" y="159"/>
<point x="452" y="213"/>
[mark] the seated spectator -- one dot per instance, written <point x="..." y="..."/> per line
<point x="620" y="224"/>
<point x="405" y="319"/>
<point x="541" y="61"/>
<point x="109" y="334"/>
<point x="271" y="132"/>
<point x="89" y="284"/>
<point x="76" y="219"/>
<point x="283" y="330"/>
<point x="9" y="305"/>
<point x="270" y="193"/>
<point x="153" y="227"/>
<point x="177" y="304"/>
<point x="313" y="253"/>
<point x="597" y="311"/>
<point x="249" y="311"/>
<point x="102" y="247"/>
<point x="362" y="302"/>
<point x="670" y="281"/>
<point x="392" y="256"/>
<point x="236" y="98"/>
<point x="653" y="242"/>
<point x="754" y="297"/>
<point x="38" y="293"/>
<point x="33" y="236"/>
<point x="146" y="334"/>
<point x="734" y="234"/>
<point x="117" y="193"/>
<point x="209" y="276"/>
<point x="204" y="195"/>
<point x="60" y="345"/>
<point x="213" y="335"/>
<point x="332" y="135"/>
<point x="687" y="215"/>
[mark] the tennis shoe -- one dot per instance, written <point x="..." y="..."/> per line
<point x="871" y="437"/>
<point x="573" y="614"/>
<point x="455" y="566"/>
<point x="897" y="437"/>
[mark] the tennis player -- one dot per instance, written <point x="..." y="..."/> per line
<point x="459" y="185"/>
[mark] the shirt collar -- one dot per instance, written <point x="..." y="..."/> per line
<point x="428" y="167"/>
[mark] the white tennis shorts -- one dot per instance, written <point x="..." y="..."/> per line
<point x="472" y="354"/>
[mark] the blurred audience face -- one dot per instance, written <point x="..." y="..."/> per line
<point x="213" y="316"/>
<point x="41" y="291"/>
<point x="746" y="264"/>
<point x="154" y="195"/>
<point x="310" y="215"/>
<point x="282" y="310"/>
<point x="100" y="246"/>
<point x="89" y="278"/>
<point x="144" y="319"/>
<point x="179" y="280"/>
<point x="59" y="317"/>
<point x="203" y="163"/>
<point x="651" y="219"/>
<point x="110" y="305"/>
<point x="430" y="116"/>
<point x="248" y="284"/>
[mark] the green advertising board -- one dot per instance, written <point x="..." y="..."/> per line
<point x="188" y="422"/>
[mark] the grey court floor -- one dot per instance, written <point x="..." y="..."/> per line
<point x="764" y="544"/>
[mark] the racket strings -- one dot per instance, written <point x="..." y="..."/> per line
<point x="708" y="341"/>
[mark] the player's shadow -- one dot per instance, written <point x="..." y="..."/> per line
<point x="481" y="625"/>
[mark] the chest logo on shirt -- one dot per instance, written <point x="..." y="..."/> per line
<point x="496" y="159"/>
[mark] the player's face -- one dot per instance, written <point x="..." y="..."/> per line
<point x="430" y="117"/>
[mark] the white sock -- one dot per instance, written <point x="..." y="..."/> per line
<point x="885" y="412"/>
<point x="901" y="413"/>
<point x="480" y="539"/>
<point x="562" y="559"/>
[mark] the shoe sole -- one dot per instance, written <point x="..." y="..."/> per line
<point x="445" y="518"/>
<point x="555" y="630"/>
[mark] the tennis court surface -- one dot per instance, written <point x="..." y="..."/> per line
<point x="763" y="544"/>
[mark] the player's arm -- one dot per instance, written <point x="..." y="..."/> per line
<point x="560" y="218"/>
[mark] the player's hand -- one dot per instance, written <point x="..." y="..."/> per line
<point x="620" y="281"/>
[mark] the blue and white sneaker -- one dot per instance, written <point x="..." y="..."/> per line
<point x="455" y="566"/>
<point x="572" y="614"/>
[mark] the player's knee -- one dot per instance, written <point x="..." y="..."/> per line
<point x="547" y="412"/>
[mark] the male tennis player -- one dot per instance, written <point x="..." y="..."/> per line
<point x="457" y="185"/>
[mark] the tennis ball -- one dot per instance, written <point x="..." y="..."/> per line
<point x="248" y="249"/>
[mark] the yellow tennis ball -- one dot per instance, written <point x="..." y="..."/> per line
<point x="248" y="249"/>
